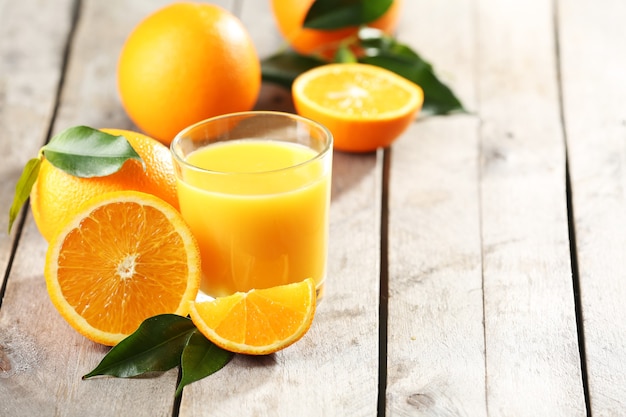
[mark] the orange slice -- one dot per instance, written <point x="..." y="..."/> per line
<point x="364" y="106"/>
<point x="257" y="322"/>
<point x="126" y="256"/>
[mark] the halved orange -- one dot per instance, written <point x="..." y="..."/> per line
<point x="364" y="106"/>
<point x="126" y="256"/>
<point x="260" y="321"/>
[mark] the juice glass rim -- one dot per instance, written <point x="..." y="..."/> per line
<point x="328" y="145"/>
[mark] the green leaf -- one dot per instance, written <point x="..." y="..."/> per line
<point x="344" y="55"/>
<point x="282" y="68"/>
<point x="86" y="152"/>
<point x="378" y="49"/>
<point x="156" y="345"/>
<point x="337" y="14"/>
<point x="23" y="187"/>
<point x="200" y="359"/>
<point x="386" y="52"/>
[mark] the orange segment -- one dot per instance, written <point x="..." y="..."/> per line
<point x="364" y="106"/>
<point x="126" y="256"/>
<point x="258" y="322"/>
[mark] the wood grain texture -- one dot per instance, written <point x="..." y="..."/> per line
<point x="44" y="359"/>
<point x="436" y="342"/>
<point x="436" y="364"/>
<point x="593" y="66"/>
<point x="532" y="358"/>
<point x="32" y="40"/>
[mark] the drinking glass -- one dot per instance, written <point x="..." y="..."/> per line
<point x="254" y="187"/>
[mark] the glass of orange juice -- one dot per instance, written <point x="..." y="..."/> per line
<point x="254" y="187"/>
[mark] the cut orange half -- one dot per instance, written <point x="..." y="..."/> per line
<point x="126" y="256"/>
<point x="257" y="322"/>
<point x="364" y="106"/>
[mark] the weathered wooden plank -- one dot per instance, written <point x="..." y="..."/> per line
<point x="593" y="72"/>
<point x="436" y="342"/>
<point x="333" y="371"/>
<point x="532" y="358"/>
<point x="32" y="39"/>
<point x="46" y="357"/>
<point x="435" y="360"/>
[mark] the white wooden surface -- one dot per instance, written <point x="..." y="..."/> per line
<point x="28" y="84"/>
<point x="47" y="358"/>
<point x="532" y="356"/>
<point x="436" y="342"/>
<point x="593" y="69"/>
<point x="480" y="314"/>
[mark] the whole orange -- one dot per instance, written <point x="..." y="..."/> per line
<point x="185" y="63"/>
<point x="56" y="196"/>
<point x="290" y="14"/>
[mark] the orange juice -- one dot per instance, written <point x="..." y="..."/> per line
<point x="259" y="210"/>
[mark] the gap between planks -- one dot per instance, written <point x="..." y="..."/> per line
<point x="573" y="246"/>
<point x="383" y="309"/>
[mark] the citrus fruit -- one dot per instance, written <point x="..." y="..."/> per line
<point x="56" y="195"/>
<point x="364" y="106"/>
<point x="184" y="63"/>
<point x="260" y="321"/>
<point x="124" y="257"/>
<point x="290" y="14"/>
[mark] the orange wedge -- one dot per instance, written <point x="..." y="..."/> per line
<point x="257" y="322"/>
<point x="364" y="106"/>
<point x="126" y="256"/>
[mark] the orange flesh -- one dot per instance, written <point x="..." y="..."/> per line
<point x="123" y="266"/>
<point x="259" y="321"/>
<point x="354" y="95"/>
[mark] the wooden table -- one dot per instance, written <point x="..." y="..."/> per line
<point x="477" y="267"/>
